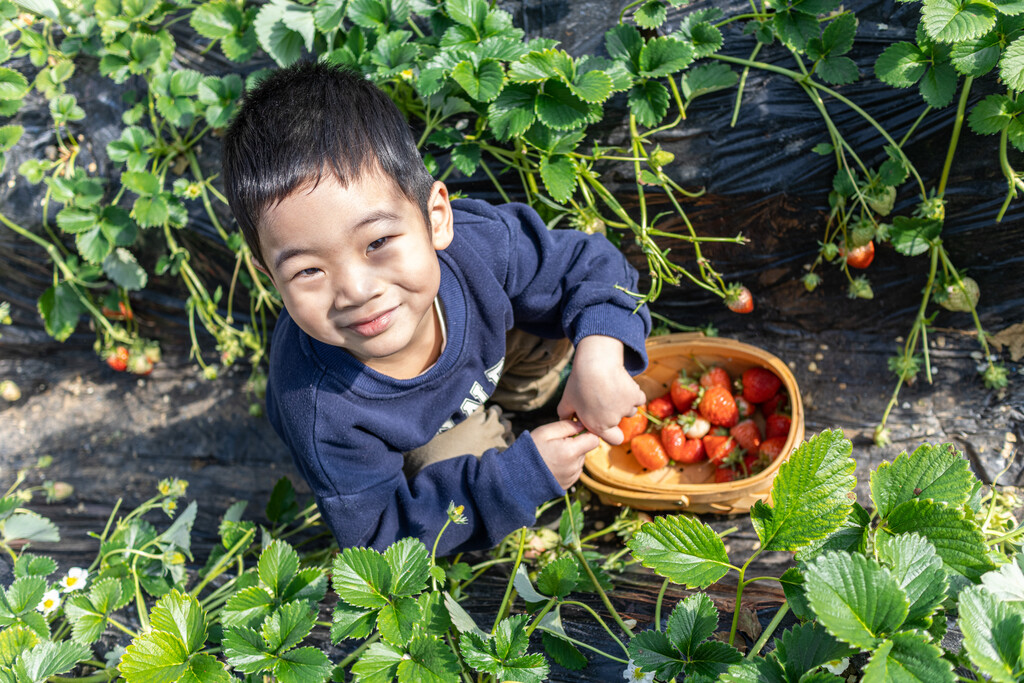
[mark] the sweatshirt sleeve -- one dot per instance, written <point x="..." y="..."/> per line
<point x="568" y="283"/>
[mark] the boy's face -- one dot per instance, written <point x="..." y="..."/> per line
<point x="357" y="268"/>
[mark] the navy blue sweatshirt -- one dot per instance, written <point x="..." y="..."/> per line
<point x="348" y="425"/>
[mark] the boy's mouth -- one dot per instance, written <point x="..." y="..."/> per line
<point x="373" y="326"/>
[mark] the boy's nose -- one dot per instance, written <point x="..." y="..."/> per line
<point x="356" y="289"/>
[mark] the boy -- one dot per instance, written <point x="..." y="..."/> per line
<point x="398" y="304"/>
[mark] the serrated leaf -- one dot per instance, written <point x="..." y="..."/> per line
<point x="124" y="271"/>
<point x="908" y="658"/>
<point x="362" y="577"/>
<point x="805" y="647"/>
<point x="217" y="19"/>
<point x="795" y="28"/>
<point x="205" y="668"/>
<point x="1011" y="66"/>
<point x="466" y="158"/>
<point x="513" y="112"/>
<point x="409" y="562"/>
<point x="793" y="586"/>
<point x="397" y="619"/>
<point x="918" y="569"/>
<point x="429" y="659"/>
<point x="701" y="34"/>
<point x="913" y="236"/>
<point x="651" y="14"/>
<point x="13" y="641"/>
<point x="976" y="57"/>
<point x="288" y="626"/>
<point x="993" y="114"/>
<point x="351" y="622"/>
<point x="855" y="598"/>
<point x="711" y="659"/>
<point x="13" y="85"/>
<point x="461" y="619"/>
<point x="93" y="245"/>
<point x="50" y="659"/>
<point x="1007" y="582"/>
<point x="181" y="616"/>
<point x="564" y="653"/>
<point x="303" y="665"/>
<point x="950" y="21"/>
<point x="692" y="621"/>
<point x="245" y="650"/>
<point x="34" y="565"/>
<point x="938" y="473"/>
<point x="277" y="566"/>
<point x="154" y="657"/>
<point x="681" y="549"/>
<point x="648" y="100"/>
<point x="756" y="670"/>
<point x="653" y="652"/>
<point x="851" y="536"/>
<point x="957" y="538"/>
<point x="559" y="176"/>
<point x="592" y="86"/>
<point x="901" y="65"/>
<point x="28" y="526"/>
<point x="837" y="70"/>
<point x="993" y="633"/>
<point x="248" y="606"/>
<point x="379" y="663"/>
<point x="22" y="596"/>
<point x="624" y="43"/>
<point x="809" y="496"/>
<point x="74" y="220"/>
<point x="707" y="78"/>
<point x="9" y="136"/>
<point x="664" y="56"/>
<point x="283" y="44"/>
<point x="558" y="578"/>
<point x="938" y="85"/>
<point x="482" y="82"/>
<point x="557" y="107"/>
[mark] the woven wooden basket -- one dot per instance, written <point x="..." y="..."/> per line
<point x="617" y="478"/>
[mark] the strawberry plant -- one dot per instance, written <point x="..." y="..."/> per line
<point x="873" y="591"/>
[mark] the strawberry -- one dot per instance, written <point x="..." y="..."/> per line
<point x="724" y="474"/>
<point x="745" y="407"/>
<point x="739" y="299"/>
<point x="771" y="449"/>
<point x="683" y="391"/>
<point x="753" y="464"/>
<point x="718" y="446"/>
<point x="633" y="425"/>
<point x="718" y="407"/>
<point x="694" y="425"/>
<point x="776" y="404"/>
<point x="672" y="439"/>
<point x="955" y="299"/>
<point x="759" y="385"/>
<point x="860" y="257"/>
<point x="692" y="452"/>
<point x="715" y="376"/>
<point x="648" y="451"/>
<point x="747" y="435"/>
<point x="118" y="359"/>
<point x="139" y="364"/>
<point x="661" y="407"/>
<point x="777" y="425"/>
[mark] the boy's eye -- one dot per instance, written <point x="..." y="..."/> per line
<point x="307" y="272"/>
<point x="377" y="244"/>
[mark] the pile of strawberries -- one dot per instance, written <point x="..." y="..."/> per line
<point x="712" y="418"/>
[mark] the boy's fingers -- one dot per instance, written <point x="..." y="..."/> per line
<point x="562" y="429"/>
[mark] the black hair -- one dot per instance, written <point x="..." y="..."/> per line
<point x="307" y="119"/>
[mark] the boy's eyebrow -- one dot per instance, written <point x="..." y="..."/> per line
<point x="375" y="216"/>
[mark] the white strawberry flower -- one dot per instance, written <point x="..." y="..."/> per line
<point x="75" y="580"/>
<point x="50" y="601"/>
<point x="634" y="674"/>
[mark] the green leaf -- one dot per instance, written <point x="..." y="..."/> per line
<point x="938" y="473"/>
<point x="697" y="29"/>
<point x="33" y="565"/>
<point x="692" y="621"/>
<point x="13" y="641"/>
<point x="809" y="496"/>
<point x="288" y="626"/>
<point x="50" y="659"/>
<point x="60" y="307"/>
<point x="503" y="654"/>
<point x="908" y="658"/>
<point x="1007" y="582"/>
<point x="379" y="664"/>
<point x="939" y="85"/>
<point x="793" y="586"/>
<point x="204" y="668"/>
<point x="124" y="271"/>
<point x="756" y="670"/>
<point x="154" y="657"/>
<point x="277" y="566"/>
<point x="362" y="577"/>
<point x="469" y="13"/>
<point x="564" y="653"/>
<point x="993" y="114"/>
<point x="22" y="596"/>
<point x="707" y="78"/>
<point x="247" y="607"/>
<point x="592" y="86"/>
<point x="73" y="220"/>
<point x="624" y="43"/>
<point x="557" y="107"/>
<point x="131" y="148"/>
<point x="9" y="135"/>
<point x="408" y="561"/>
<point x="245" y="650"/>
<point x="837" y="38"/>
<point x="806" y="647"/>
<point x="216" y="19"/>
<point x="397" y="619"/>
<point x="282" y="43"/>
<point x="351" y="622"/>
<point x="1011" y="66"/>
<point x="851" y="536"/>
<point x="663" y="56"/>
<point x="976" y="57"/>
<point x="795" y="28"/>
<point x="711" y="659"/>
<point x="950" y="21"/>
<point x="648" y="100"/>
<point x="837" y="70"/>
<point x="13" y="86"/>
<point x="651" y="14"/>
<point x="181" y="616"/>
<point x="94" y="245"/>
<point x="429" y="659"/>
<point x="901" y="65"/>
<point x="141" y="183"/>
<point x="151" y="211"/>
<point x="681" y="549"/>
<point x="558" y="578"/>
<point x="918" y="569"/>
<point x="483" y="83"/>
<point x="912" y="237"/>
<point x="993" y="633"/>
<point x="303" y="665"/>
<point x="653" y="652"/>
<point x="559" y="176"/>
<point x="513" y="112"/>
<point x="282" y="506"/>
<point x="957" y="538"/>
<point x="855" y="598"/>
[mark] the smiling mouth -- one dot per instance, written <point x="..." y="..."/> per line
<point x="373" y="326"/>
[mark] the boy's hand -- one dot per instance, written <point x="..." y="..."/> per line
<point x="600" y="392"/>
<point x="563" y="445"/>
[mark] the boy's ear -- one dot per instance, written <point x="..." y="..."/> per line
<point x="439" y="208"/>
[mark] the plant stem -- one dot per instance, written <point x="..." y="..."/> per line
<point x="599" y="620"/>
<point x="354" y="655"/>
<point x="540" y="615"/>
<point x="958" y="123"/>
<point x="511" y="580"/>
<point x="218" y="568"/>
<point x="657" y="605"/>
<point x="1009" y="536"/>
<point x="767" y="633"/>
<point x="741" y="86"/>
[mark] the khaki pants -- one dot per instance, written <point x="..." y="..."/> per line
<point x="533" y="368"/>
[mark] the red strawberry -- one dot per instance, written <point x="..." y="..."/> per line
<point x="739" y="299"/>
<point x="777" y="403"/>
<point x="683" y="391"/>
<point x="771" y="449"/>
<point x="692" y="452"/>
<point x="719" y="407"/>
<point x="747" y="435"/>
<point x="715" y="376"/>
<point x="724" y="474"/>
<point x="661" y="407"/>
<point x="753" y="464"/>
<point x="745" y="407"/>
<point x="118" y="359"/>
<point x="718" y="446"/>
<point x="860" y="257"/>
<point x="648" y="451"/>
<point x="694" y="425"/>
<point x="777" y="425"/>
<point x="759" y="385"/>
<point x="633" y="425"/>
